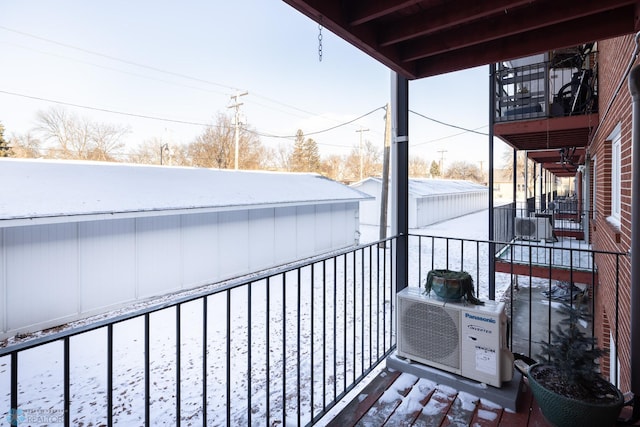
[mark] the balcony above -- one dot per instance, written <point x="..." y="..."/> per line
<point x="563" y="162"/>
<point x="547" y="133"/>
<point x="548" y="101"/>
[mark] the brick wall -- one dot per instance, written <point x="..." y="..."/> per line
<point x="614" y="56"/>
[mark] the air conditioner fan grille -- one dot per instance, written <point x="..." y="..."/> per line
<point x="430" y="332"/>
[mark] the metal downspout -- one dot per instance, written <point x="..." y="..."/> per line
<point x="634" y="88"/>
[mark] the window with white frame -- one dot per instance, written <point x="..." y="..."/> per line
<point x="615" y="139"/>
<point x="614" y="362"/>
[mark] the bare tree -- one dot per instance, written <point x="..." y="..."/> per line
<point x="106" y="141"/>
<point x="507" y="164"/>
<point x="282" y="157"/>
<point x="464" y="170"/>
<point x="418" y="167"/>
<point x="369" y="158"/>
<point x="333" y="166"/>
<point x="78" y="138"/>
<point x="147" y="153"/>
<point x="215" y="147"/>
<point x="25" y="146"/>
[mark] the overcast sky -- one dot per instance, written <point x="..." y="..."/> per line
<point x="182" y="61"/>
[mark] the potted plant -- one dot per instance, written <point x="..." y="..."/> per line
<point x="451" y="285"/>
<point x="568" y="386"/>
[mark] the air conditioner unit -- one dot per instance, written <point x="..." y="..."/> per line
<point x="534" y="228"/>
<point x="468" y="340"/>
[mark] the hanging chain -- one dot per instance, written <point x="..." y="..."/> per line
<point x="320" y="41"/>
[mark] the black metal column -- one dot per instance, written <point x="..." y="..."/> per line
<point x="515" y="178"/>
<point x="535" y="186"/>
<point x="634" y="88"/>
<point x="492" y="246"/>
<point x="400" y="174"/>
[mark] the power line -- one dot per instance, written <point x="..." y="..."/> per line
<point x="446" y="137"/>
<point x="448" y="124"/>
<point x="104" y="110"/>
<point x="104" y="67"/>
<point x="186" y="122"/>
<point x="156" y="69"/>
<point x="323" y="130"/>
<point x="114" y="58"/>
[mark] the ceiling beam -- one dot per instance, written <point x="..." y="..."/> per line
<point x="519" y="21"/>
<point x="444" y="16"/>
<point x="366" y="11"/>
<point x="596" y="27"/>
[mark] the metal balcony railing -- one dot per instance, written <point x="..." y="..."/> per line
<point x="565" y="84"/>
<point x="560" y="225"/>
<point x="277" y="347"/>
<point x="531" y="299"/>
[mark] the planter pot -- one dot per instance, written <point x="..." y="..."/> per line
<point x="449" y="289"/>
<point x="451" y="285"/>
<point x="563" y="411"/>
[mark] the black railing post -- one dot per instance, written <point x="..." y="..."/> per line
<point x="492" y="246"/>
<point x="515" y="178"/>
<point x="67" y="382"/>
<point x="13" y="411"/>
<point x="110" y="375"/>
<point x="204" y="358"/>
<point x="179" y="364"/>
<point x="400" y="170"/>
<point x="147" y="372"/>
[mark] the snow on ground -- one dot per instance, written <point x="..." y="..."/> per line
<point x="276" y="365"/>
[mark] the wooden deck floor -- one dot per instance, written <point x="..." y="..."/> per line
<point x="400" y="399"/>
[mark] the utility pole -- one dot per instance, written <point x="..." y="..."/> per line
<point x="361" y="159"/>
<point x="236" y="123"/>
<point x="442" y="161"/>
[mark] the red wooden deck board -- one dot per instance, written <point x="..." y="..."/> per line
<point x="407" y="412"/>
<point x="461" y="411"/>
<point x="486" y="415"/>
<point x="418" y="404"/>
<point x="521" y="416"/>
<point x="536" y="419"/>
<point x="388" y="402"/>
<point x="436" y="409"/>
<point x="351" y="413"/>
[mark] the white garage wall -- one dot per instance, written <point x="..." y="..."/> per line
<point x="108" y="262"/>
<point x="41" y="274"/>
<point x="56" y="273"/>
<point x="423" y="209"/>
<point x="200" y="251"/>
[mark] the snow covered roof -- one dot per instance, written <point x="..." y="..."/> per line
<point x="422" y="187"/>
<point x="53" y="191"/>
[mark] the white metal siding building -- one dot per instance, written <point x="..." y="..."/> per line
<point x="79" y="238"/>
<point x="430" y="200"/>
